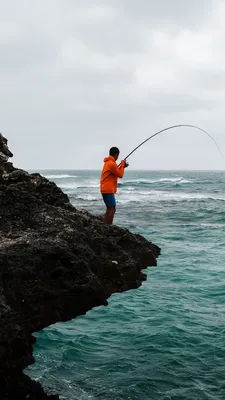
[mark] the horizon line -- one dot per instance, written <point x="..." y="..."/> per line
<point x="131" y="170"/>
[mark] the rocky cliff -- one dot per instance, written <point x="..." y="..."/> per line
<point x="55" y="263"/>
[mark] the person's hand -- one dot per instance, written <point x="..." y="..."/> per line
<point x="125" y="164"/>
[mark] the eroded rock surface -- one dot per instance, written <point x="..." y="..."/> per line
<point x="55" y="263"/>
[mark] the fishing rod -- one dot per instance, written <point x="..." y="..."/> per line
<point x="172" y="127"/>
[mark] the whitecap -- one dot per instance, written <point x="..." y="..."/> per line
<point x="62" y="176"/>
<point x="87" y="198"/>
<point x="145" y="181"/>
<point x="157" y="195"/>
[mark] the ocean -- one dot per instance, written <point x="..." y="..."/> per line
<point x="165" y="340"/>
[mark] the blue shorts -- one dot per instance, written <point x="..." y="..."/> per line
<point x="109" y="199"/>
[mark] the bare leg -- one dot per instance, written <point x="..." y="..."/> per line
<point x="109" y="215"/>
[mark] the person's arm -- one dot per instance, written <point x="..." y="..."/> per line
<point x="118" y="171"/>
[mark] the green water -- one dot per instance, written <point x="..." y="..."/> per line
<point x="165" y="340"/>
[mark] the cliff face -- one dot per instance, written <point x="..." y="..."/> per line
<point x="55" y="263"/>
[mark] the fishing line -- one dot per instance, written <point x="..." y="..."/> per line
<point x="172" y="127"/>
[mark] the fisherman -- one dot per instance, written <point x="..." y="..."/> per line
<point x="108" y="183"/>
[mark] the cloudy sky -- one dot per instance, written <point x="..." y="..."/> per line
<point x="80" y="76"/>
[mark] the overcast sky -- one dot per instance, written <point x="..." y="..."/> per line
<point x="80" y="76"/>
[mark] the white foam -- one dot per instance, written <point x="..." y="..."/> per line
<point x="179" y="179"/>
<point x="62" y="176"/>
<point x="68" y="185"/>
<point x="94" y="183"/>
<point x="157" y="195"/>
<point x="88" y="198"/>
<point x="212" y="225"/>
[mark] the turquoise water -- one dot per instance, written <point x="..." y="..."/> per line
<point x="165" y="340"/>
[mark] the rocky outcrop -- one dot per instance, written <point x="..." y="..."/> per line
<point x="55" y="263"/>
<point x="5" y="153"/>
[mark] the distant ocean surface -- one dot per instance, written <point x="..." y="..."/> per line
<point x="166" y="340"/>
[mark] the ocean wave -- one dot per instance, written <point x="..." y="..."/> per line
<point x="156" y="196"/>
<point x="213" y="225"/>
<point x="62" y="176"/>
<point x="137" y="182"/>
<point x="68" y="186"/>
<point x="87" y="198"/>
<point x="92" y="184"/>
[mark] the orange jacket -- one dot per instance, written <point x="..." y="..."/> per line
<point x="110" y="175"/>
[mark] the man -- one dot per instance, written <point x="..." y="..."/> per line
<point x="109" y="181"/>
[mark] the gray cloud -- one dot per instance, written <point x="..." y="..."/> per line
<point x="78" y="76"/>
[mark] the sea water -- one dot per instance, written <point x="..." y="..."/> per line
<point x="165" y="340"/>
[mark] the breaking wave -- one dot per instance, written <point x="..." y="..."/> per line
<point x="62" y="176"/>
<point x="141" y="182"/>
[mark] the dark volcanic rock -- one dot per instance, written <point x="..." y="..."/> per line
<point x="55" y="263"/>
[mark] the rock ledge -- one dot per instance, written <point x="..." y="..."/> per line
<point x="55" y="263"/>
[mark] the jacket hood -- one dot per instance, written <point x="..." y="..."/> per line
<point x="109" y="158"/>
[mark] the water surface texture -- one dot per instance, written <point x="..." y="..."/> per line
<point x="166" y="340"/>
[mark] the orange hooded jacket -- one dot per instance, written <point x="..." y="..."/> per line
<point x="110" y="175"/>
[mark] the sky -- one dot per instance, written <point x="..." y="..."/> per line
<point x="80" y="76"/>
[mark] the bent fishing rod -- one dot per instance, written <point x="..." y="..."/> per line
<point x="172" y="127"/>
